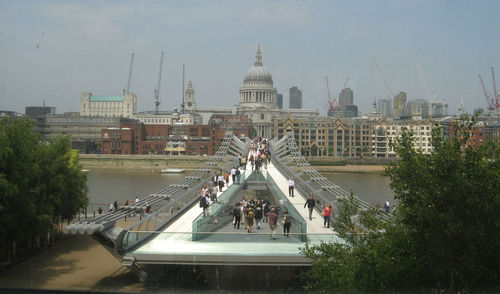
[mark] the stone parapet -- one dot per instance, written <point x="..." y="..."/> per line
<point x="153" y="162"/>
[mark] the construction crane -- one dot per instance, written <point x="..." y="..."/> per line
<point x="157" y="90"/>
<point x="426" y="89"/>
<point x="130" y="73"/>
<point x="383" y="78"/>
<point x="333" y="103"/>
<point x="491" y="103"/>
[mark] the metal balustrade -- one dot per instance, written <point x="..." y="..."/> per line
<point x="290" y="162"/>
<point x="169" y="202"/>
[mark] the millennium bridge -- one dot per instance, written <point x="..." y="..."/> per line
<point x="177" y="232"/>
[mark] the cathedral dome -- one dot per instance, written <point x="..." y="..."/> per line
<point x="257" y="90"/>
<point x="258" y="74"/>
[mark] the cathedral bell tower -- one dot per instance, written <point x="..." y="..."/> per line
<point x="189" y="103"/>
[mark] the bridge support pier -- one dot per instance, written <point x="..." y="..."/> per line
<point x="136" y="269"/>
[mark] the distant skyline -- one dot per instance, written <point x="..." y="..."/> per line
<point x="55" y="50"/>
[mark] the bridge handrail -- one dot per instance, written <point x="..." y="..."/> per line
<point x="326" y="191"/>
<point x="170" y="212"/>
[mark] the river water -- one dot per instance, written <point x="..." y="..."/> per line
<point x="107" y="185"/>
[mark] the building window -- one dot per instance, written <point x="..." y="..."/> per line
<point x="205" y="132"/>
<point x="193" y="131"/>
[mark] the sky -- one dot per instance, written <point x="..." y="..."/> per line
<point x="53" y="51"/>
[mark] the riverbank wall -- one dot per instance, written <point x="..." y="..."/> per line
<point x="192" y="162"/>
<point x="105" y="161"/>
<point x="350" y="165"/>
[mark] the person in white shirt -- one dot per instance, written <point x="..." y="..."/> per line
<point x="291" y="187"/>
<point x="387" y="206"/>
<point x="233" y="174"/>
<point x="220" y="180"/>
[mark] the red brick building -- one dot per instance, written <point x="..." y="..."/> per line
<point x="240" y="125"/>
<point x="117" y="141"/>
<point x="477" y="134"/>
<point x="178" y="139"/>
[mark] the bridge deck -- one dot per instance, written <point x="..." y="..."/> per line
<point x="227" y="246"/>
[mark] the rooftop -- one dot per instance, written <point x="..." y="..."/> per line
<point x="107" y="98"/>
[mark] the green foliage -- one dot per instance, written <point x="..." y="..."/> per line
<point x="40" y="182"/>
<point x="333" y="267"/>
<point x="445" y="236"/>
<point x="17" y="163"/>
<point x="62" y="184"/>
<point x="346" y="266"/>
<point x="345" y="224"/>
<point x="450" y="209"/>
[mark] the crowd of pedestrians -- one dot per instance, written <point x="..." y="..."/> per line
<point x="260" y="153"/>
<point x="251" y="214"/>
<point x="218" y="183"/>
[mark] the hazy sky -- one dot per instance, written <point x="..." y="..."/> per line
<point x="55" y="50"/>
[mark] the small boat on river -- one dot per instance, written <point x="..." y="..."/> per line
<point x="172" y="170"/>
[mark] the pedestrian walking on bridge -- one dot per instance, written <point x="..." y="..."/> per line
<point x="237" y="216"/>
<point x="273" y="217"/>
<point x="327" y="213"/>
<point x="310" y="203"/>
<point x="287" y="224"/>
<point x="291" y="187"/>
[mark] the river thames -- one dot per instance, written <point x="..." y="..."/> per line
<point x="107" y="185"/>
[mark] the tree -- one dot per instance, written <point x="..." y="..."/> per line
<point x="446" y="234"/>
<point x="450" y="209"/>
<point x="18" y="169"/>
<point x="62" y="184"/>
<point x="40" y="183"/>
<point x="340" y="265"/>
